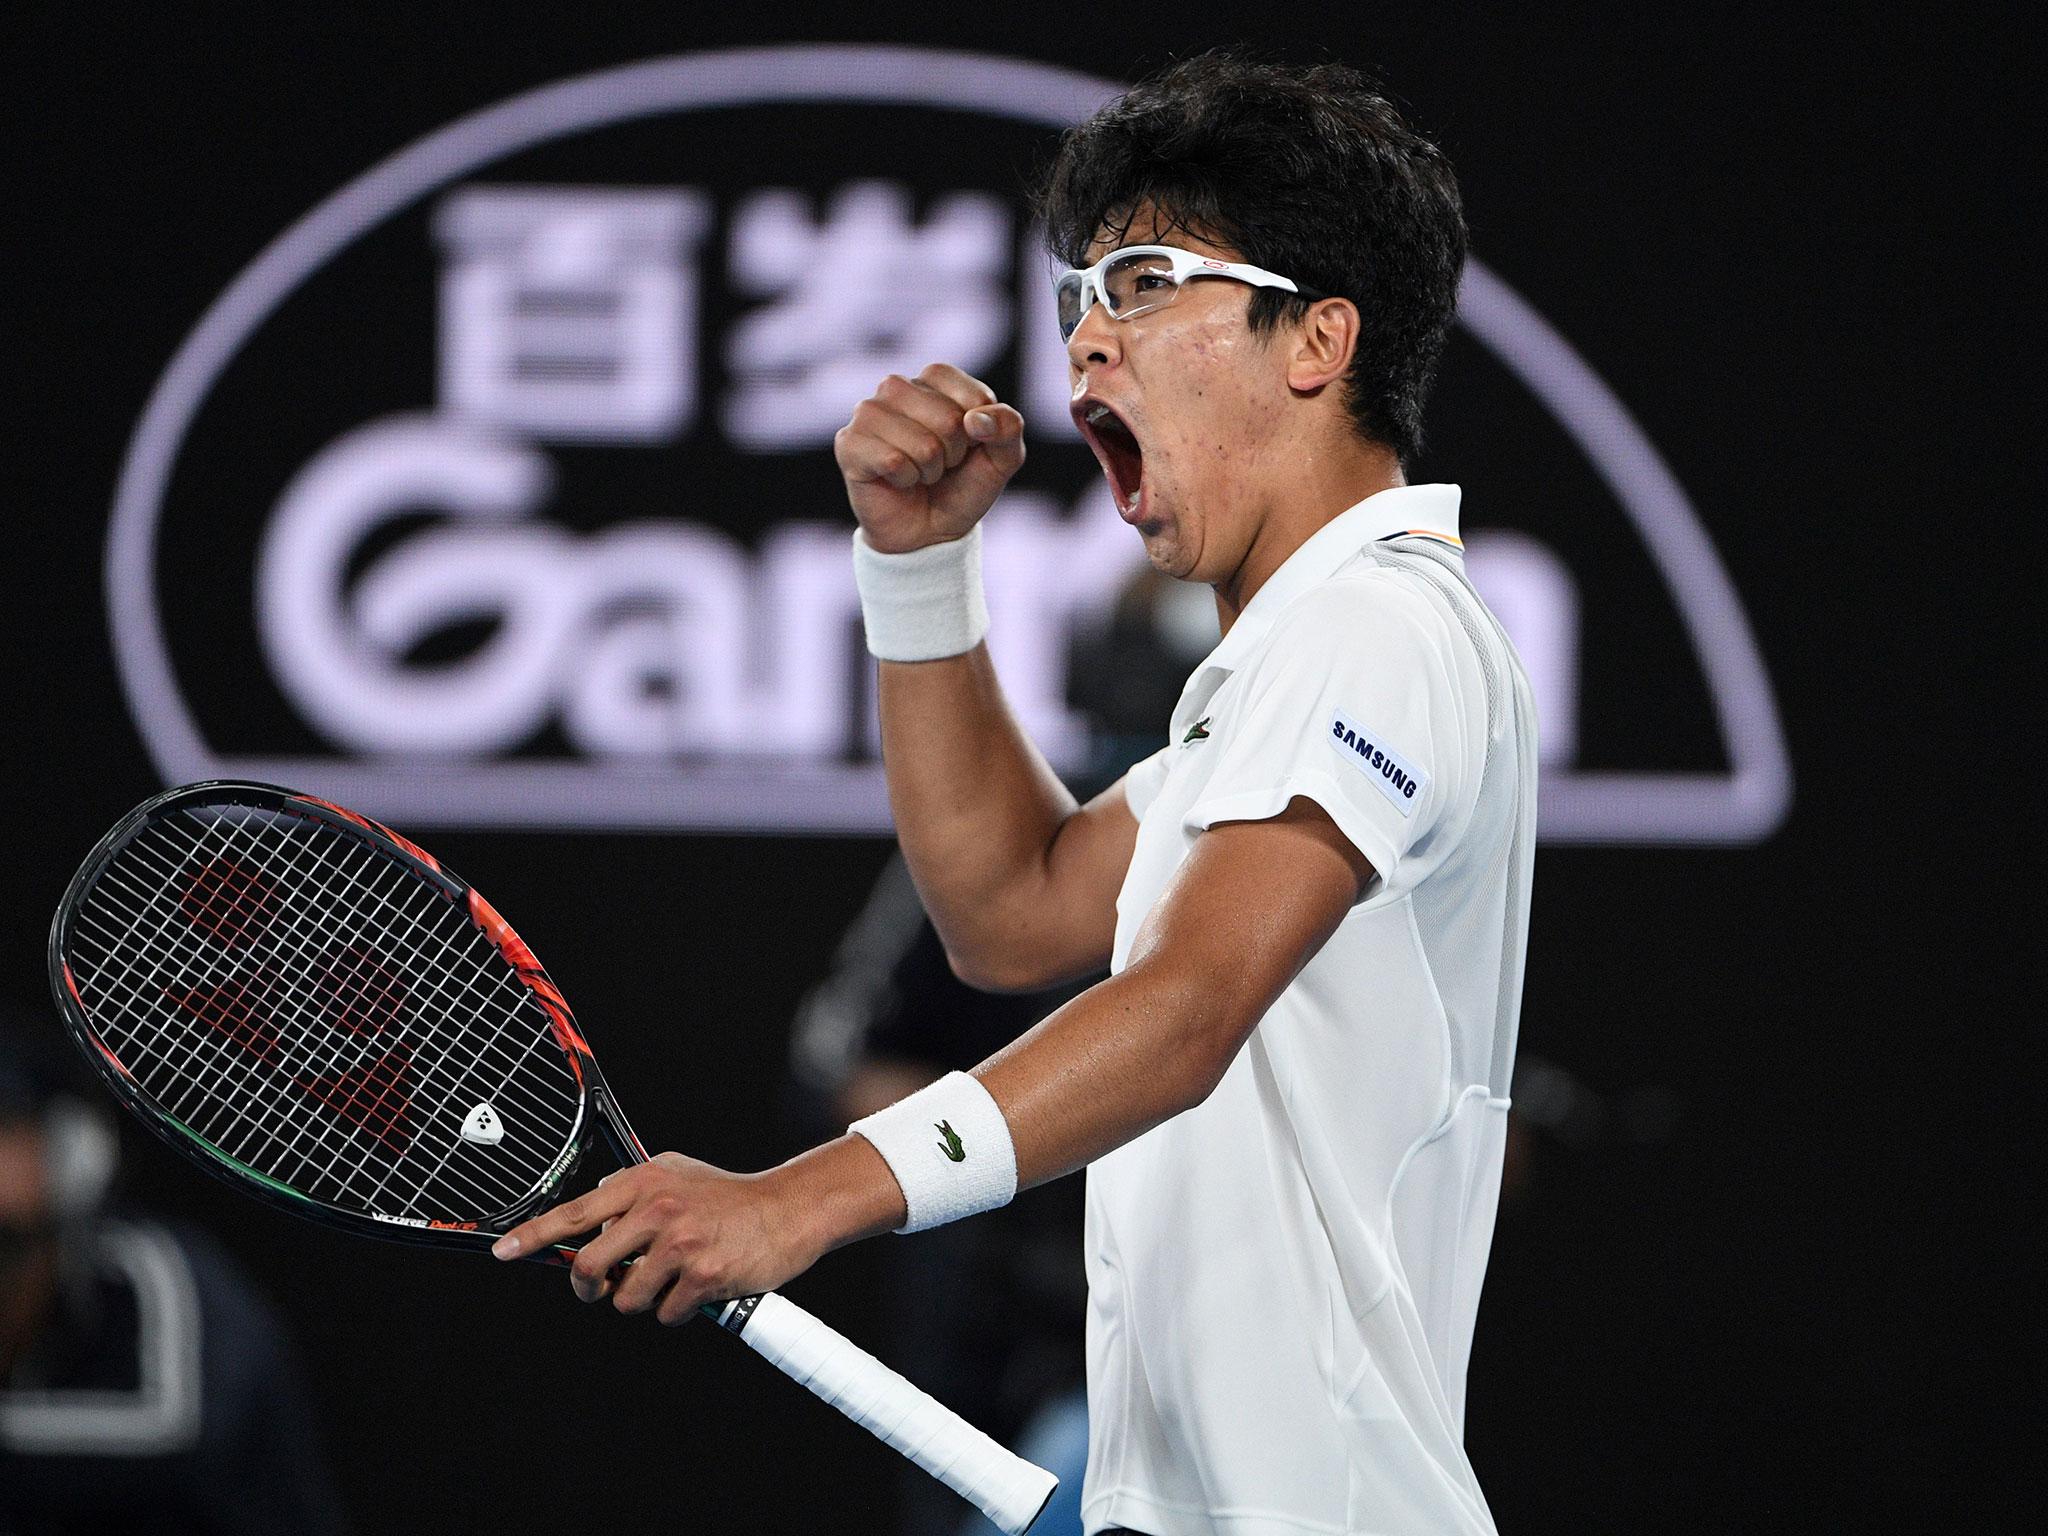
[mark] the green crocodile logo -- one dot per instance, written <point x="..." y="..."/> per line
<point x="1199" y="731"/>
<point x="951" y="1145"/>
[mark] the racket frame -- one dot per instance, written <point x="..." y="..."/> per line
<point x="598" y="1115"/>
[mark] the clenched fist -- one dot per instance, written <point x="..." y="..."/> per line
<point x="924" y="458"/>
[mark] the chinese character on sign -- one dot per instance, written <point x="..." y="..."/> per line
<point x="865" y="290"/>
<point x="571" y="312"/>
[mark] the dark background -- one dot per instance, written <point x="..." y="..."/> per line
<point x="1786" y="242"/>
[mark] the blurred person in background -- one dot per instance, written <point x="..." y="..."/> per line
<point x="144" y="1386"/>
<point x="988" y="1315"/>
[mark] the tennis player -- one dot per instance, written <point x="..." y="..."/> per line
<point x="1291" y="1092"/>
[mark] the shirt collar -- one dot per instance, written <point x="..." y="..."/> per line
<point x="1427" y="510"/>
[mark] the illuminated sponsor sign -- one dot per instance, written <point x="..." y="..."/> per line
<point x="498" y="490"/>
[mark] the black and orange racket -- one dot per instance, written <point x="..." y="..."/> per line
<point x="314" y="1008"/>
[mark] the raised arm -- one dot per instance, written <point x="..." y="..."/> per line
<point x="1020" y="881"/>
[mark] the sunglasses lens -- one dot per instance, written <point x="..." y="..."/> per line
<point x="1130" y="286"/>
<point x="1138" y="282"/>
<point x="1072" y="304"/>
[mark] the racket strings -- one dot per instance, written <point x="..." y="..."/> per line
<point x="238" y="1006"/>
<point x="336" y="1084"/>
<point x="347" y="879"/>
<point x="321" y="1015"/>
<point x="330" y="1089"/>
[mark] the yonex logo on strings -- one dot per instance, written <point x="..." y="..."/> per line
<point x="483" y="1127"/>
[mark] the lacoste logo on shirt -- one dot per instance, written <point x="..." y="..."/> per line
<point x="1199" y="731"/>
<point x="951" y="1145"/>
<point x="1395" y="777"/>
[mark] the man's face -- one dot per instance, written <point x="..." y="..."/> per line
<point x="1199" y="398"/>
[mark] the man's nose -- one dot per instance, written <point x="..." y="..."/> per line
<point x="1097" y="341"/>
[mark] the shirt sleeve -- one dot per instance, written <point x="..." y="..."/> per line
<point x="1143" y="780"/>
<point x="1351" y="704"/>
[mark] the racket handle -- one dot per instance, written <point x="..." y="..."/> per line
<point x="1005" y="1487"/>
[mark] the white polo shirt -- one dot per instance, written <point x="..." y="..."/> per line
<point x="1283" y="1280"/>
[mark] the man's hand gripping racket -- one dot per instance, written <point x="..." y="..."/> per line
<point x="313" y="1008"/>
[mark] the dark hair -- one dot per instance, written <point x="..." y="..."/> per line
<point x="1309" y="172"/>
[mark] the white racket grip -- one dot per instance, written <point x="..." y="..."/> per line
<point x="1005" y="1487"/>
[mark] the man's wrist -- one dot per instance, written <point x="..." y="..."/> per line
<point x="840" y="1192"/>
<point x="948" y="1146"/>
<point x="925" y="604"/>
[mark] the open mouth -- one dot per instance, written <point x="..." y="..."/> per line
<point x="1117" y="447"/>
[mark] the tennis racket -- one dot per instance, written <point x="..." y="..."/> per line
<point x="316" y="1010"/>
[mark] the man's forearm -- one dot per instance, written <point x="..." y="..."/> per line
<point x="1124" y="1056"/>
<point x="975" y="803"/>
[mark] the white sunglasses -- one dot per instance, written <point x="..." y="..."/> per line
<point x="1137" y="278"/>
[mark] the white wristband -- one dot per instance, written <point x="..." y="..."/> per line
<point x="923" y="605"/>
<point x="950" y="1150"/>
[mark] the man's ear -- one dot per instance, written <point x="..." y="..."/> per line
<point x="1325" y="341"/>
